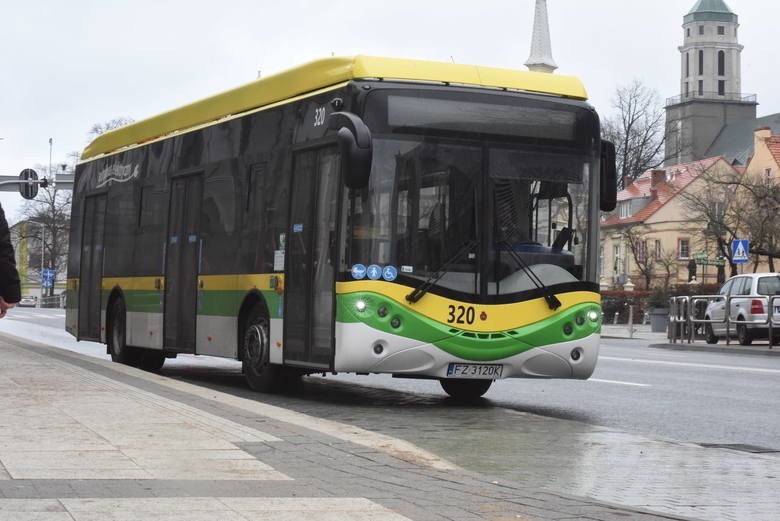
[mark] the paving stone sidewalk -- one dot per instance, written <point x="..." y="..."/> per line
<point x="83" y="439"/>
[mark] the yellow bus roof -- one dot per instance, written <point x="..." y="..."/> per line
<point x="320" y="74"/>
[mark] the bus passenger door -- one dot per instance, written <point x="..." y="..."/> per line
<point x="309" y="282"/>
<point x="181" y="263"/>
<point x="91" y="271"/>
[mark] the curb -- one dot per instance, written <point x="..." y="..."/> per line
<point x="711" y="348"/>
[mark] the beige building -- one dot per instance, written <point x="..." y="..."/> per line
<point x="765" y="163"/>
<point x="652" y="239"/>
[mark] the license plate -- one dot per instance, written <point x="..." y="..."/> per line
<point x="485" y="371"/>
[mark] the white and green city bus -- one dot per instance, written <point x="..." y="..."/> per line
<point x="365" y="215"/>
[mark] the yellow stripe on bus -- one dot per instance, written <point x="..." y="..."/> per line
<point x="246" y="282"/>
<point x="498" y="317"/>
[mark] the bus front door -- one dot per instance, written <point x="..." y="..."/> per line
<point x="181" y="263"/>
<point x="310" y="276"/>
<point x="91" y="271"/>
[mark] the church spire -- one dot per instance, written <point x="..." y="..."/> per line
<point x="541" y="59"/>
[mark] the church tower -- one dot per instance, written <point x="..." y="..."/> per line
<point x="541" y="59"/>
<point x="710" y="83"/>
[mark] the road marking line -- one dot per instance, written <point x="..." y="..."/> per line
<point x="690" y="364"/>
<point x="617" y="382"/>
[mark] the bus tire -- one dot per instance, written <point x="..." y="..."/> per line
<point x="466" y="389"/>
<point x="258" y="371"/>
<point x="117" y="338"/>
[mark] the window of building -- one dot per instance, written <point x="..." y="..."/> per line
<point x="701" y="29"/>
<point x="721" y="30"/>
<point x="624" y="209"/>
<point x="683" y="248"/>
<point x="768" y="173"/>
<point x="687" y="92"/>
<point x="641" y="250"/>
<point x="721" y="88"/>
<point x="657" y="250"/>
<point x="688" y="32"/>
<point x="687" y="64"/>
<point x="721" y="63"/>
<point x="701" y="87"/>
<point x="616" y="256"/>
<point x="701" y="62"/>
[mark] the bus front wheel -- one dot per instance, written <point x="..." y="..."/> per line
<point x="258" y="371"/>
<point x="465" y="389"/>
<point x="117" y="340"/>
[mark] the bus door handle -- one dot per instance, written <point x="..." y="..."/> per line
<point x="200" y="283"/>
<point x="157" y="284"/>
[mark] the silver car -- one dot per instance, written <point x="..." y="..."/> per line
<point x="749" y="296"/>
<point x="29" y="301"/>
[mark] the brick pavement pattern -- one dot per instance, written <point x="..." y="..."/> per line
<point x="83" y="439"/>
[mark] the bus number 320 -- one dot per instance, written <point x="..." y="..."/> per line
<point x="460" y="315"/>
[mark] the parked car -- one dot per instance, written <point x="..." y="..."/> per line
<point x="748" y="310"/>
<point x="28" y="301"/>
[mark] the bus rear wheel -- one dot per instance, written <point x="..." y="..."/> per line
<point x="117" y="339"/>
<point x="465" y="389"/>
<point x="258" y="371"/>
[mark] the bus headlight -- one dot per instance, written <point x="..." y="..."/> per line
<point x="593" y="315"/>
<point x="360" y="305"/>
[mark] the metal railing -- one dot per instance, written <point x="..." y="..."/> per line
<point x="728" y="96"/>
<point x="687" y="316"/>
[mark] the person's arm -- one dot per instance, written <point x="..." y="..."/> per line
<point x="10" y="288"/>
<point x="4" y="307"/>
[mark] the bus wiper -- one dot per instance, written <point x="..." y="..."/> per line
<point x="552" y="301"/>
<point x="420" y="291"/>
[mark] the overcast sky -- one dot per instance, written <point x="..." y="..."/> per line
<point x="67" y="65"/>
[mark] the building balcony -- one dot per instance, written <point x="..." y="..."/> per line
<point x="736" y="97"/>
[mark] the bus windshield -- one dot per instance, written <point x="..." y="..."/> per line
<point x="454" y="203"/>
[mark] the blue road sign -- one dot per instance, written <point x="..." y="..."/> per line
<point x="740" y="251"/>
<point x="47" y="278"/>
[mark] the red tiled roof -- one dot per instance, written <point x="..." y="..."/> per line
<point x="676" y="179"/>
<point x="773" y="144"/>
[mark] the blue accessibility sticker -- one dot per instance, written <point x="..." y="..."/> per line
<point x="374" y="272"/>
<point x="389" y="273"/>
<point x="358" y="271"/>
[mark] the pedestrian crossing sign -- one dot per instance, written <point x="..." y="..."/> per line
<point x="740" y="249"/>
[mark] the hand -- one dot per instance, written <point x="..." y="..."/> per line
<point x="4" y="306"/>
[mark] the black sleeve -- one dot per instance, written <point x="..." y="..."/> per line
<point x="10" y="289"/>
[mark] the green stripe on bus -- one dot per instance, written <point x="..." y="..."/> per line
<point x="227" y="303"/>
<point x="571" y="325"/>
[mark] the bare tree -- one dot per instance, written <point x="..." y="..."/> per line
<point x="46" y="223"/>
<point x="101" y="128"/>
<point x="637" y="130"/>
<point x="759" y="199"/>
<point x="643" y="260"/>
<point x="736" y="206"/>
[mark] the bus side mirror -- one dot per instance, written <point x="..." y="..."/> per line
<point x="354" y="140"/>
<point x="608" y="194"/>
